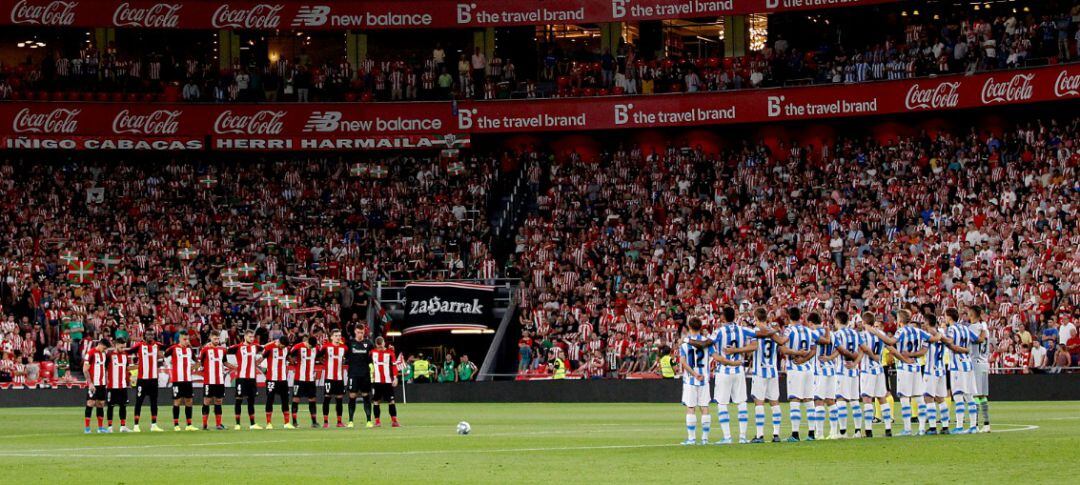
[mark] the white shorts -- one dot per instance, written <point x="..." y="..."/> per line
<point x="934" y="386"/>
<point x="824" y="387"/>
<point x="730" y="389"/>
<point x="982" y="379"/>
<point x="962" y="382"/>
<point x="847" y="387"/>
<point x="765" y="388"/>
<point x="800" y="384"/>
<point x="695" y="396"/>
<point x="909" y="383"/>
<point x="872" y="385"/>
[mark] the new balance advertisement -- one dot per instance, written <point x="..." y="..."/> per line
<point x="445" y="306"/>
<point x="443" y="125"/>
<point x="378" y="14"/>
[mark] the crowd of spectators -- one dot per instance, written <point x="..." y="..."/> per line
<point x="286" y="247"/>
<point x="916" y="46"/>
<point x="617" y="254"/>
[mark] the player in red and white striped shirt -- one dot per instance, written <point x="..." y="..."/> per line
<point x="305" y="353"/>
<point x="333" y="354"/>
<point x="248" y="355"/>
<point x="213" y="365"/>
<point x="384" y="378"/>
<point x="276" y="355"/>
<point x="148" y="353"/>
<point x="117" y="363"/>
<point x="94" y="370"/>
<point x="180" y="358"/>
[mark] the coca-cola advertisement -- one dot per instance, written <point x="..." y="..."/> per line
<point x="436" y="125"/>
<point x="381" y="14"/>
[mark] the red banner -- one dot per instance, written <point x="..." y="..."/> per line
<point x="436" y="125"/>
<point x="379" y="14"/>
<point x="811" y="102"/>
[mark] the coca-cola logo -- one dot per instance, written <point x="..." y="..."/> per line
<point x="52" y="13"/>
<point x="264" y="122"/>
<point x="58" y="121"/>
<point x="944" y="95"/>
<point x="1067" y="85"/>
<point x="1018" y="88"/>
<point x="161" y="15"/>
<point x="159" y="122"/>
<point x="261" y="16"/>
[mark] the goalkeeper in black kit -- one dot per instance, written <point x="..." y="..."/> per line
<point x="359" y="361"/>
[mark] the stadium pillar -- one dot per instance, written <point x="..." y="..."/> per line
<point x="355" y="48"/>
<point x="485" y="40"/>
<point x="228" y="48"/>
<point x="736" y="36"/>
<point x="610" y="36"/>
<point x="104" y="39"/>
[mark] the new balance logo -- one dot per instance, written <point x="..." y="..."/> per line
<point x="323" y="121"/>
<point x="311" y="16"/>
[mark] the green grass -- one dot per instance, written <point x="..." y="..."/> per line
<point x="527" y="443"/>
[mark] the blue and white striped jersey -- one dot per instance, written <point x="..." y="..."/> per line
<point x="821" y="367"/>
<point x="800" y="338"/>
<point x="764" y="364"/>
<point x="697" y="359"/>
<point x="910" y="339"/>
<point x="877" y="346"/>
<point x="961" y="336"/>
<point x="935" y="358"/>
<point x="847" y="339"/>
<point x="731" y="336"/>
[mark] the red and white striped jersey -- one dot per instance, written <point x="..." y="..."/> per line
<point x="96" y="362"/>
<point x="180" y="359"/>
<point x="383" y="368"/>
<point x="117" y="370"/>
<point x="305" y="356"/>
<point x="148" y="353"/>
<point x="247" y="360"/>
<point x="335" y="361"/>
<point x="212" y="360"/>
<point x="277" y="362"/>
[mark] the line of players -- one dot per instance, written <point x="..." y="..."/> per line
<point x="364" y="368"/>
<point x="830" y="367"/>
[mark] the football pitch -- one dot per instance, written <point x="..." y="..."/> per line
<point x="527" y="443"/>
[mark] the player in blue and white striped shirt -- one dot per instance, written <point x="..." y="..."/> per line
<point x="824" y="380"/>
<point x="764" y="380"/>
<point x="959" y="337"/>
<point x="846" y="340"/>
<point x="731" y="343"/>
<point x="872" y="375"/>
<point x="695" y="363"/>
<point x="798" y="345"/>
<point x="910" y="343"/>
<point x="934" y="390"/>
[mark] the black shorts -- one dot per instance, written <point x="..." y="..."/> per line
<point x="277" y="388"/>
<point x="303" y="389"/>
<point x="117" y="396"/>
<point x="98" y="394"/>
<point x="383" y="392"/>
<point x="360" y="384"/>
<point x="182" y="390"/>
<point x="334" y="387"/>
<point x="146" y="387"/>
<point x="246" y="388"/>
<point x="215" y="391"/>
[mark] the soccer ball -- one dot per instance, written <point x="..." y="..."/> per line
<point x="463" y="428"/>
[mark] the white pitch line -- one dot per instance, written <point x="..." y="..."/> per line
<point x="1022" y="427"/>
<point x="362" y="453"/>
